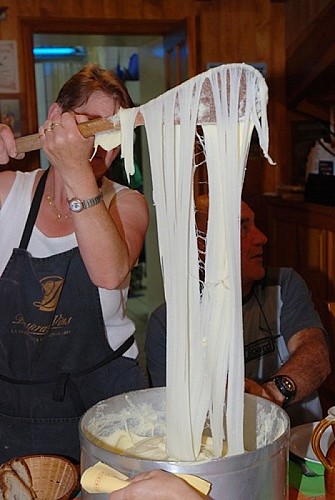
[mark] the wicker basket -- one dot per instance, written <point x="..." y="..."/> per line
<point x="54" y="477"/>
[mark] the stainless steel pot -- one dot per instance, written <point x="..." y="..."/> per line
<point x="258" y="474"/>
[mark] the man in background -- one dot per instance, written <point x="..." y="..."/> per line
<point x="285" y="347"/>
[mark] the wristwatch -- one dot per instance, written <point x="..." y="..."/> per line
<point x="287" y="387"/>
<point x="76" y="205"/>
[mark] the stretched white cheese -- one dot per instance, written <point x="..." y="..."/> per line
<point x="205" y="358"/>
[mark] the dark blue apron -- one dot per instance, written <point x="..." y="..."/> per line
<point x="55" y="360"/>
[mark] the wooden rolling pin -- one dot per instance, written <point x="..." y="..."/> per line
<point x="87" y="129"/>
<point x="92" y="127"/>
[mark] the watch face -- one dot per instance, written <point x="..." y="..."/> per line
<point x="76" y="205"/>
<point x="288" y="384"/>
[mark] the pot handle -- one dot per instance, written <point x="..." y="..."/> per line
<point x="317" y="434"/>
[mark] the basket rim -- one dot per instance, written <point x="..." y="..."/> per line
<point x="71" y="468"/>
<point x="45" y="455"/>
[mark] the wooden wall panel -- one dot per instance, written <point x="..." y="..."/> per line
<point x="280" y="173"/>
<point x="93" y="8"/>
<point x="300" y="15"/>
<point x="31" y="8"/>
<point x="310" y="65"/>
<point x="133" y="9"/>
<point x="72" y="8"/>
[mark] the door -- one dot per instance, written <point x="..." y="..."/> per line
<point x="181" y="63"/>
<point x="180" y="49"/>
<point x="178" y="53"/>
<point x="187" y="29"/>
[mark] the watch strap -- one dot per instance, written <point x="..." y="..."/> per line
<point x="287" y="388"/>
<point x="91" y="202"/>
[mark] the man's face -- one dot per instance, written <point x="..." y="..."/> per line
<point x="252" y="242"/>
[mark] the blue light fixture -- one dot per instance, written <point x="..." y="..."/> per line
<point x="58" y="52"/>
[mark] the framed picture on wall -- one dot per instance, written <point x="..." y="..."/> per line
<point x="9" y="74"/>
<point x="10" y="113"/>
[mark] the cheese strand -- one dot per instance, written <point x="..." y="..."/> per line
<point x="205" y="358"/>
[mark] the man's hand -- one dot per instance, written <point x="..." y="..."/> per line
<point x="268" y="391"/>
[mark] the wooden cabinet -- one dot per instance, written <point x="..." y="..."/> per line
<point x="302" y="235"/>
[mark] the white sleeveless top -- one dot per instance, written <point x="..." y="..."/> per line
<point x="13" y="216"/>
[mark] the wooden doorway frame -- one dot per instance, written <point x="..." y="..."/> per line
<point x="108" y="27"/>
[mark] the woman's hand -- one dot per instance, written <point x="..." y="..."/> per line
<point x="67" y="150"/>
<point x="7" y="145"/>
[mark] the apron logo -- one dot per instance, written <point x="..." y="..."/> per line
<point x="51" y="288"/>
